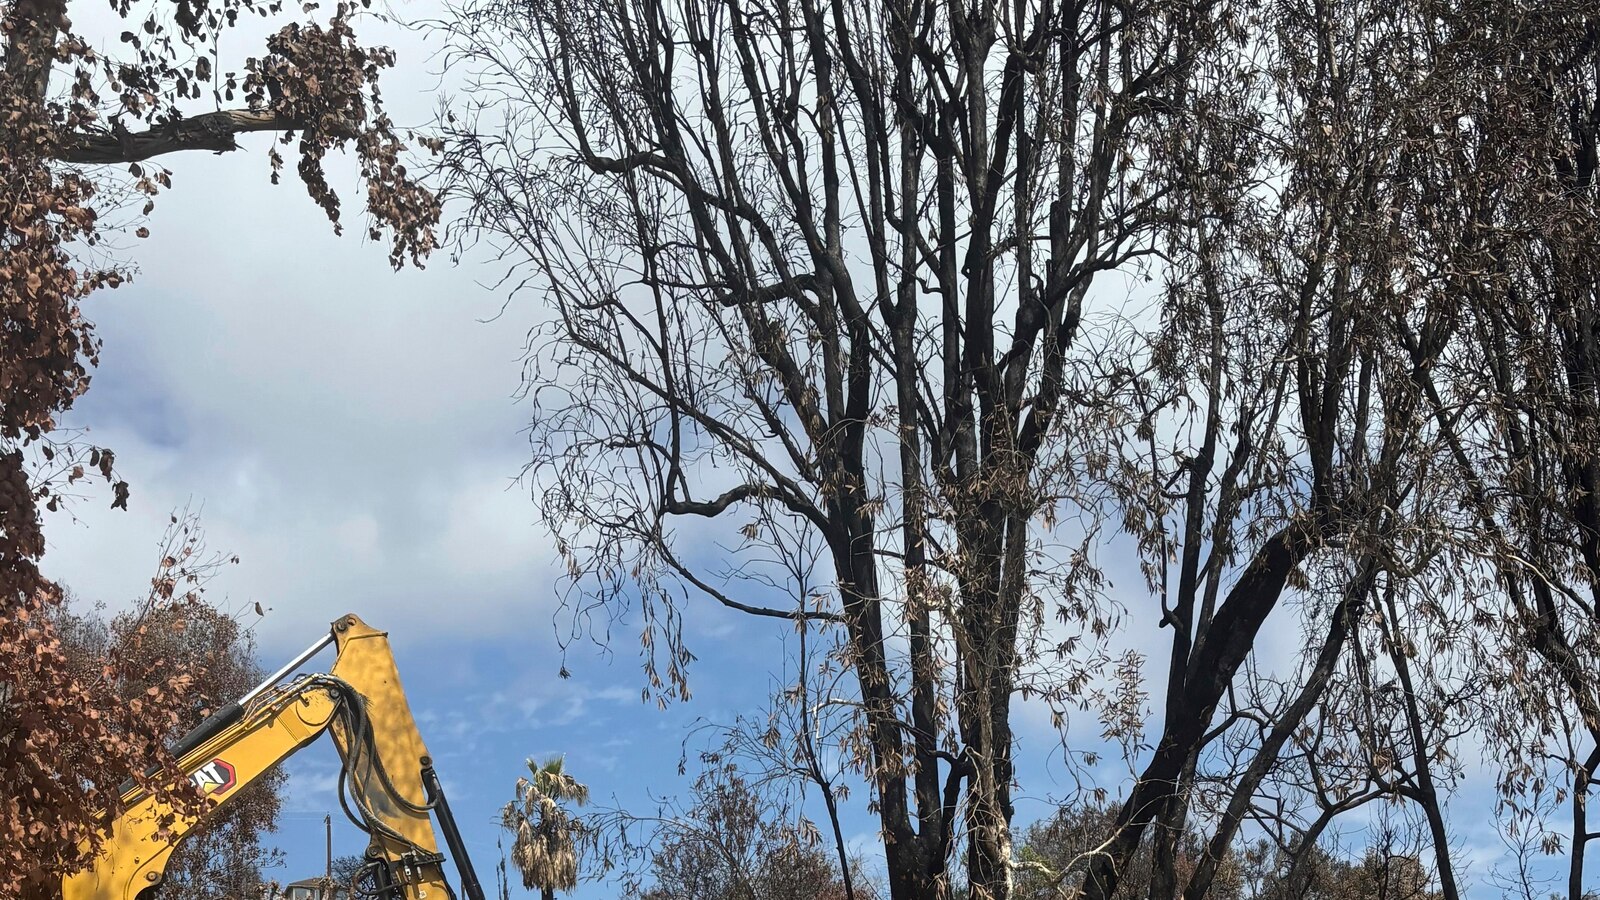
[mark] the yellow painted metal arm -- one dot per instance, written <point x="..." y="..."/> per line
<point x="135" y="853"/>
<point x="384" y="763"/>
<point x="362" y="703"/>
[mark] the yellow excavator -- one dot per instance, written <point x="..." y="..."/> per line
<point x="387" y="785"/>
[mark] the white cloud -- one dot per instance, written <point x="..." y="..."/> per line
<point x="350" y="432"/>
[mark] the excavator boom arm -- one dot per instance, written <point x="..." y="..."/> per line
<point x="389" y="775"/>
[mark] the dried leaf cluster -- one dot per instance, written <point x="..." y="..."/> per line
<point x="545" y="836"/>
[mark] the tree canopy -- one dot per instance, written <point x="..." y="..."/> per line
<point x="973" y="332"/>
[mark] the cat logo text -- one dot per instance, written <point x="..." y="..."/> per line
<point x="214" y="777"/>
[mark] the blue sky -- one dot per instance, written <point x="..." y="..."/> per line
<point x="353" y="435"/>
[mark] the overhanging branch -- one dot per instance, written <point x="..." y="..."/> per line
<point x="214" y="131"/>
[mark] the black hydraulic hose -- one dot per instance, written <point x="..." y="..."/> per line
<point x="452" y="834"/>
<point x="361" y="754"/>
<point x="203" y="732"/>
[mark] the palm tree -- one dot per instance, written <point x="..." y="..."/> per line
<point x="544" y="849"/>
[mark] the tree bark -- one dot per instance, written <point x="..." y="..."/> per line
<point x="1426" y="793"/>
<point x="1338" y="631"/>
<point x="214" y="131"/>
<point x="1216" y="660"/>
<point x="30" y="51"/>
